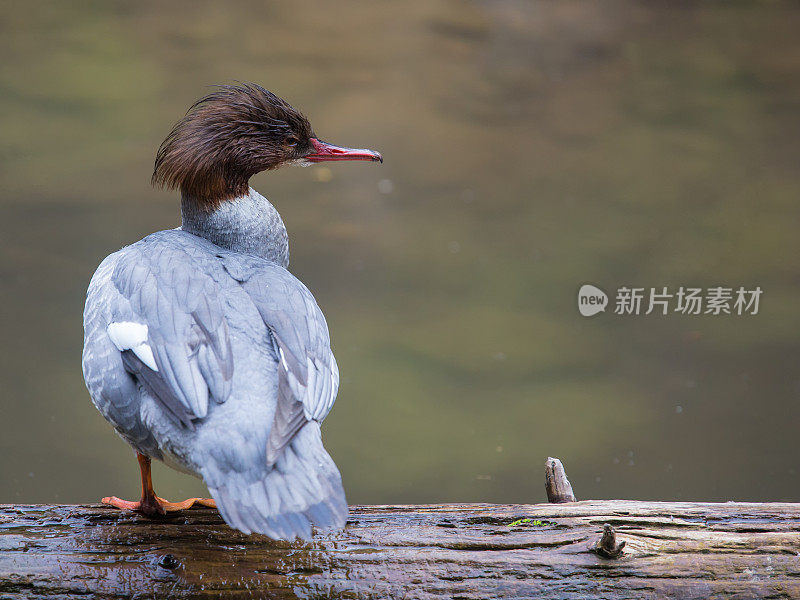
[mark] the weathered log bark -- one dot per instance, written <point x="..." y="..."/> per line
<point x="673" y="550"/>
<point x="556" y="484"/>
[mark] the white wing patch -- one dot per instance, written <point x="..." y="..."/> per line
<point x="127" y="335"/>
<point x="283" y="359"/>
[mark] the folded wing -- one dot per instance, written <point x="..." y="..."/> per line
<point x="171" y="330"/>
<point x="308" y="377"/>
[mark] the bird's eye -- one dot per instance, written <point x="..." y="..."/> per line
<point x="291" y="141"/>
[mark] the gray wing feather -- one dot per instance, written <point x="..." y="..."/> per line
<point x="308" y="377"/>
<point x="187" y="331"/>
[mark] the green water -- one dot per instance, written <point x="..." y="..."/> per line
<point x="529" y="148"/>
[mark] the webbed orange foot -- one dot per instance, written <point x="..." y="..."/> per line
<point x="188" y="503"/>
<point x="151" y="505"/>
<point x="155" y="506"/>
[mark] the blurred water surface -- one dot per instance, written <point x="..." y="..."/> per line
<point x="530" y="147"/>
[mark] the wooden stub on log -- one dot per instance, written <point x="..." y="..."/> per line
<point x="607" y="545"/>
<point x="680" y="550"/>
<point x="556" y="483"/>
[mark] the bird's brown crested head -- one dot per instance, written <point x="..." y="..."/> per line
<point x="230" y="135"/>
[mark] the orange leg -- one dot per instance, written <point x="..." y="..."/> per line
<point x="151" y="505"/>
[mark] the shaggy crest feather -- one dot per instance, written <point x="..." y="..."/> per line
<point x="227" y="137"/>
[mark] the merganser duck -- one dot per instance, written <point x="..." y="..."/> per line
<point x="202" y="349"/>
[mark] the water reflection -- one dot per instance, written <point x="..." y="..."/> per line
<point x="529" y="148"/>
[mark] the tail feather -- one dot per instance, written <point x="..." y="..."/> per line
<point x="302" y="489"/>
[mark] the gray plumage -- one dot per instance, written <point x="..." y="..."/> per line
<point x="203" y="351"/>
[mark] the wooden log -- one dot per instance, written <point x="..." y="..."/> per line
<point x="471" y="551"/>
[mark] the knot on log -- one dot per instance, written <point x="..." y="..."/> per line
<point x="168" y="562"/>
<point x="607" y="546"/>
<point x="558" y="487"/>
